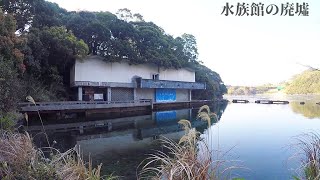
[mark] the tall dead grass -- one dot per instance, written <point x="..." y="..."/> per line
<point x="309" y="149"/>
<point x="20" y="159"/>
<point x="188" y="159"/>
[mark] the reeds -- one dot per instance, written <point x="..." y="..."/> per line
<point x="309" y="148"/>
<point x="20" y="159"/>
<point x="205" y="114"/>
<point x="188" y="159"/>
<point x="181" y="162"/>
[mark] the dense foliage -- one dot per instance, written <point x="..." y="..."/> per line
<point x="39" y="42"/>
<point x="11" y="63"/>
<point x="214" y="86"/>
<point x="307" y="82"/>
<point x="246" y="90"/>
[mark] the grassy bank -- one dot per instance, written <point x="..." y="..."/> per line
<point x="20" y="159"/>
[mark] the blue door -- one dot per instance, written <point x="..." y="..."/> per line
<point x="165" y="95"/>
<point x="165" y="117"/>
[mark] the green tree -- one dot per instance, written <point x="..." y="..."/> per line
<point x="51" y="53"/>
<point x="54" y="37"/>
<point x="20" y="9"/>
<point x="11" y="63"/>
<point x="125" y="14"/>
<point x="215" y="87"/>
<point x="190" y="47"/>
<point x="34" y="13"/>
<point x="134" y="41"/>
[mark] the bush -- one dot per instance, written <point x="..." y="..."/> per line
<point x="8" y="120"/>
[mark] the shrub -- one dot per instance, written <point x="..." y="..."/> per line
<point x="8" y="120"/>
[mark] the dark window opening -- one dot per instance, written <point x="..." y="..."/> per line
<point x="155" y="76"/>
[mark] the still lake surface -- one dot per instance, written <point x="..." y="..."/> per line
<point x="256" y="137"/>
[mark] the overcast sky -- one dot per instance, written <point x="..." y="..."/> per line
<point x="244" y="50"/>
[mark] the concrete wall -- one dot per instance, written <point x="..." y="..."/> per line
<point x="182" y="94"/>
<point x="145" y="94"/>
<point x="177" y="75"/>
<point x="94" y="69"/>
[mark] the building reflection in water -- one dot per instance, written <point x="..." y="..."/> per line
<point x="110" y="140"/>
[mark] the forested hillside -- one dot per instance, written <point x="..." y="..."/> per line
<point x="39" y="41"/>
<point x="246" y="90"/>
<point x="307" y="82"/>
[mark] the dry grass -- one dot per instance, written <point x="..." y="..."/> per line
<point x="182" y="161"/>
<point x="190" y="158"/>
<point x="309" y="147"/>
<point x="70" y="165"/>
<point x="205" y="114"/>
<point x="19" y="159"/>
<point x="31" y="100"/>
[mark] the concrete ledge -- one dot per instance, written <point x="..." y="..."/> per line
<point x="81" y="105"/>
<point x="103" y="84"/>
<point x="149" y="83"/>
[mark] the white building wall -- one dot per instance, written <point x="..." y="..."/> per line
<point x="177" y="75"/>
<point x="96" y="70"/>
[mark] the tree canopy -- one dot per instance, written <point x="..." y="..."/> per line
<point x="11" y="63"/>
<point x="39" y="42"/>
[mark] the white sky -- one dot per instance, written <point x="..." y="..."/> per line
<point x="244" y="50"/>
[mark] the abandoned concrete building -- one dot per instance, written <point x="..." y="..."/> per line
<point x="96" y="80"/>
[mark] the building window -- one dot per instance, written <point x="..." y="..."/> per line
<point x="155" y="76"/>
<point x="98" y="97"/>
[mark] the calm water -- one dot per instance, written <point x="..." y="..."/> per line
<point x="260" y="136"/>
<point x="256" y="137"/>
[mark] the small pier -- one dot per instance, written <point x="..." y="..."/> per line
<point x="271" y="102"/>
<point x="240" y="101"/>
<point x="262" y="101"/>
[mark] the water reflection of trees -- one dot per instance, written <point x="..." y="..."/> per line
<point x="309" y="110"/>
<point x="217" y="108"/>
